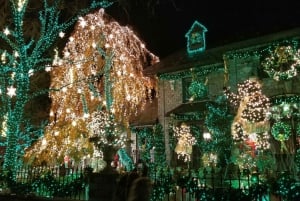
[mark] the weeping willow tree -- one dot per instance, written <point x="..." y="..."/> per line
<point x="100" y="75"/>
<point x="22" y="58"/>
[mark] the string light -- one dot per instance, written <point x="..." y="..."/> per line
<point x="101" y="69"/>
<point x="282" y="64"/>
<point x="11" y="91"/>
<point x="185" y="142"/>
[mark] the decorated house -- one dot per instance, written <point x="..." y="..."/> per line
<point x="234" y="105"/>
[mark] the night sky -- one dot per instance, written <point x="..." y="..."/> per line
<point x="163" y="27"/>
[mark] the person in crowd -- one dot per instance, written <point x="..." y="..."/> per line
<point x="140" y="190"/>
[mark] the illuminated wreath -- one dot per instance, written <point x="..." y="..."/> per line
<point x="281" y="131"/>
<point x="282" y="64"/>
<point x="197" y="89"/>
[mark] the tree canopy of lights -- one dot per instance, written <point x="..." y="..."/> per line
<point x="22" y="58"/>
<point x="106" y="132"/>
<point x="151" y="144"/>
<point x="218" y="121"/>
<point x="250" y="125"/>
<point x="101" y="69"/>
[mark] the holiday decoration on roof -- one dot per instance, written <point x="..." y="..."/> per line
<point x="196" y="38"/>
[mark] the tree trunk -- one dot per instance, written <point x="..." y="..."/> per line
<point x="108" y="156"/>
<point x="11" y="155"/>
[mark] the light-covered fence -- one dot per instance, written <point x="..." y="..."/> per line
<point x="47" y="182"/>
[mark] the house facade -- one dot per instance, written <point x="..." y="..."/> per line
<point x="188" y="84"/>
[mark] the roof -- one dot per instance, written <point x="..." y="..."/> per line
<point x="189" y="107"/>
<point x="181" y="60"/>
<point x="148" y="116"/>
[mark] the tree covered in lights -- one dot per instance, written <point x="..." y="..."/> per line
<point x="218" y="123"/>
<point x="23" y="58"/>
<point x="250" y="126"/>
<point x="151" y="145"/>
<point x="185" y="142"/>
<point x="99" y="73"/>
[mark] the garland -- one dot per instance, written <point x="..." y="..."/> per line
<point x="197" y="70"/>
<point x="282" y="63"/>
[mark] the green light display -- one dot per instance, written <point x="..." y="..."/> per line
<point x="19" y="62"/>
<point x="197" y="71"/>
<point x="196" y="38"/>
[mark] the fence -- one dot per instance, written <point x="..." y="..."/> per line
<point x="209" y="184"/>
<point x="47" y="182"/>
<point x="168" y="184"/>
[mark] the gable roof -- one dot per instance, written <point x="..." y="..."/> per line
<point x="181" y="60"/>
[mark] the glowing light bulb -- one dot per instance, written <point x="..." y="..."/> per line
<point x="11" y="91"/>
<point x="6" y="31"/>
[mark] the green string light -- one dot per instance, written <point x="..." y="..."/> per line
<point x="23" y="58"/>
<point x="197" y="71"/>
<point x="198" y="90"/>
<point x="281" y="131"/>
<point x="282" y="63"/>
<point x="259" y="52"/>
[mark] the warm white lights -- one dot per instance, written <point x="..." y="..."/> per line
<point x="11" y="91"/>
<point x="185" y="142"/>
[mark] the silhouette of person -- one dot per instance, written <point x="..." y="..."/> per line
<point x="140" y="190"/>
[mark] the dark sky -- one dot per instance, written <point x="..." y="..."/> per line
<point x="163" y="27"/>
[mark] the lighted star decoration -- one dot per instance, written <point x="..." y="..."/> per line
<point x="6" y="31"/>
<point x="11" y="91"/>
<point x="185" y="142"/>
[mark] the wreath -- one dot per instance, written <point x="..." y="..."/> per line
<point x="281" y="131"/>
<point x="197" y="89"/>
<point x="282" y="64"/>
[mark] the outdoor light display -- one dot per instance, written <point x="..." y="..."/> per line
<point x="185" y="142"/>
<point x="281" y="131"/>
<point x="106" y="132"/>
<point x="283" y="63"/>
<point x="22" y="59"/>
<point x="252" y="104"/>
<point x="196" y="38"/>
<point x="250" y="126"/>
<point x="101" y="69"/>
<point x="198" y="90"/>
